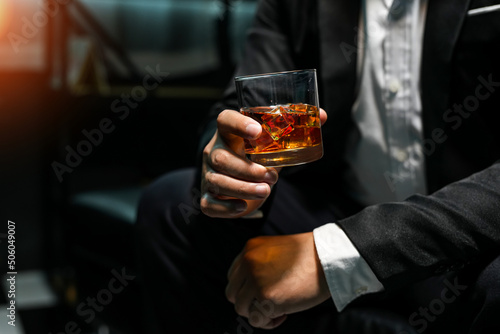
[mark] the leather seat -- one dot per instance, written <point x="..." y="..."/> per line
<point x="102" y="243"/>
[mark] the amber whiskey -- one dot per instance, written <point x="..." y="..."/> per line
<point x="291" y="134"/>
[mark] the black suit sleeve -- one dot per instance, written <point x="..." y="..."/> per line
<point x="271" y="46"/>
<point x="428" y="235"/>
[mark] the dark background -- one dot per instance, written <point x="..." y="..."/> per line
<point x="64" y="67"/>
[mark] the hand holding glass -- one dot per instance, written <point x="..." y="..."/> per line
<point x="286" y="105"/>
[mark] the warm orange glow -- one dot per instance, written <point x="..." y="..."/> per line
<point x="5" y="16"/>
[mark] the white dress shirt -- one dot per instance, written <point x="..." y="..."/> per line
<point x="384" y="153"/>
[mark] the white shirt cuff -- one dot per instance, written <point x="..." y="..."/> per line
<point x="347" y="273"/>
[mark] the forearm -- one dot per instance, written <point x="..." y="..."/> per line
<point x="429" y="235"/>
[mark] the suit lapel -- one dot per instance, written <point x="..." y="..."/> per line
<point x="338" y="21"/>
<point x="443" y="24"/>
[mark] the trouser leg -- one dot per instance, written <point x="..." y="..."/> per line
<point x="184" y="256"/>
<point x="467" y="301"/>
<point x="485" y="299"/>
<point x="180" y="258"/>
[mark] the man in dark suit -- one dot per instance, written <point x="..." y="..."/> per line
<point x="431" y="256"/>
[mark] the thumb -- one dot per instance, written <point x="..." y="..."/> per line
<point x="323" y="116"/>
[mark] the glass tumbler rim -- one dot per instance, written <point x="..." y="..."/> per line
<point x="272" y="74"/>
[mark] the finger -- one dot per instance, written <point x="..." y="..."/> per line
<point x="244" y="298"/>
<point x="236" y="278"/>
<point x="261" y="317"/>
<point x="229" y="163"/>
<point x="231" y="122"/>
<point x="271" y="323"/>
<point x="221" y="208"/>
<point x="223" y="186"/>
<point x="323" y="116"/>
<point x="276" y="322"/>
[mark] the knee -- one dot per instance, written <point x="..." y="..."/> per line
<point x="486" y="300"/>
<point x="166" y="195"/>
<point x="488" y="284"/>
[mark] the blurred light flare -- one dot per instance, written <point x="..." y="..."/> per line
<point x="5" y="16"/>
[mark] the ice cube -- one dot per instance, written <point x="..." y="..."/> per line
<point x="263" y="143"/>
<point x="276" y="124"/>
<point x="300" y="107"/>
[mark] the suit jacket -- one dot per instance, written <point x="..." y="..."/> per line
<point x="459" y="222"/>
